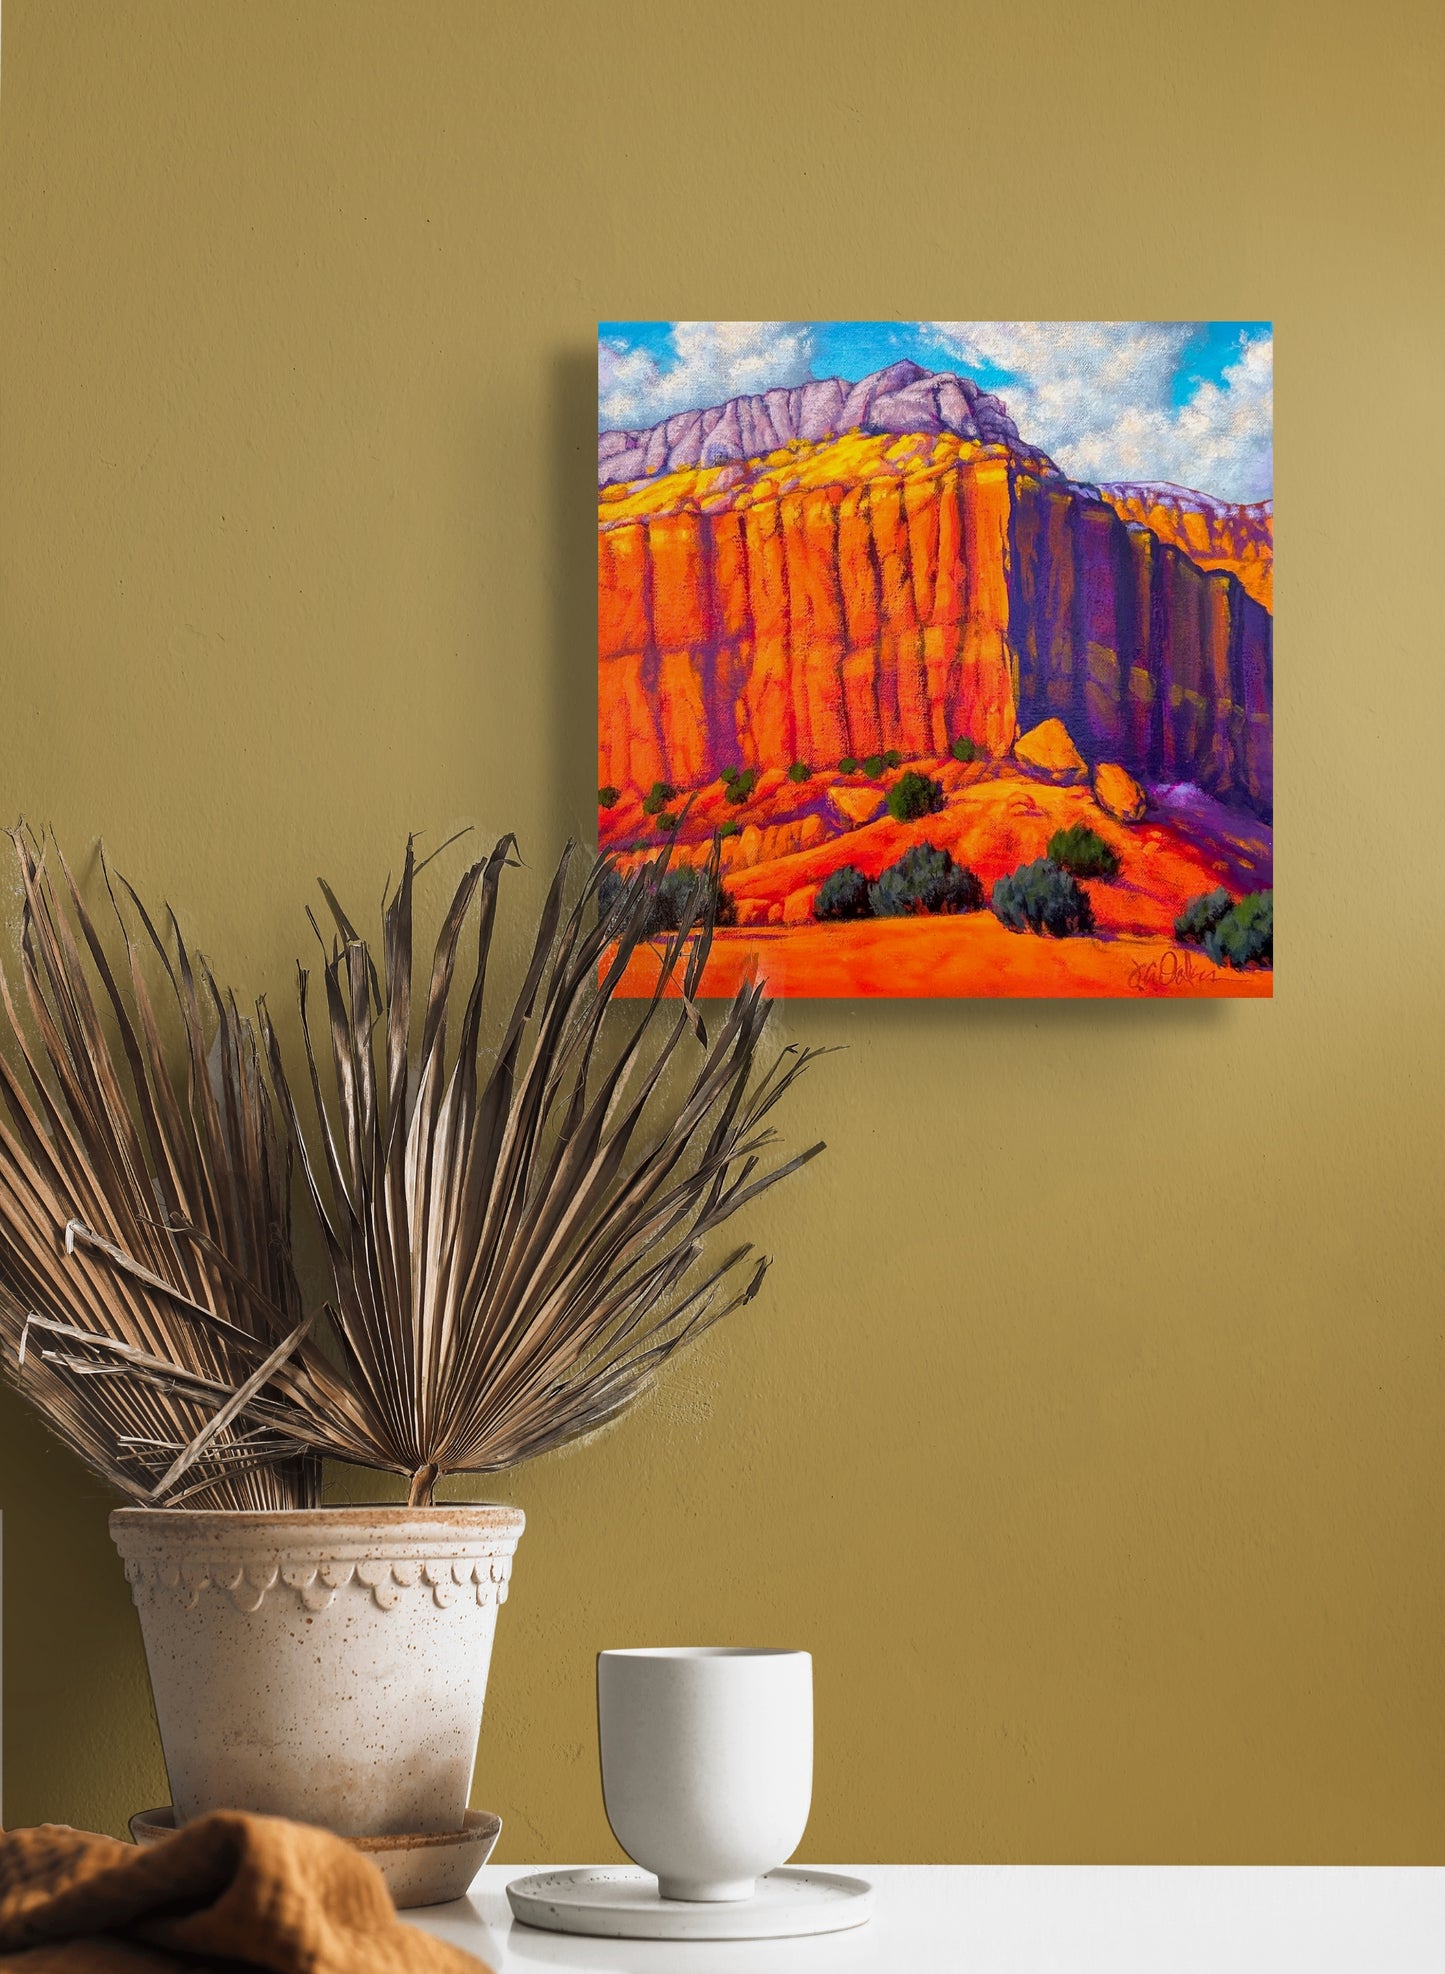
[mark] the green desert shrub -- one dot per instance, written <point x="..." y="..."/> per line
<point x="677" y="888"/>
<point x="873" y="766"/>
<point x="667" y="822"/>
<point x="847" y="766"/>
<point x="925" y="879"/>
<point x="1083" y="851"/>
<point x="914" y="795"/>
<point x="729" y="828"/>
<point x="1245" y="935"/>
<point x="608" y="798"/>
<point x="671" y="896"/>
<point x="1043" y="897"/>
<point x="892" y="759"/>
<point x="800" y="771"/>
<point x="663" y="792"/>
<point x="842" y="894"/>
<point x="1200" y="916"/>
<point x="741" y="785"/>
<point x="963" y="749"/>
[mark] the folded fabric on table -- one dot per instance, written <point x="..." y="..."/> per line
<point x="228" y="1891"/>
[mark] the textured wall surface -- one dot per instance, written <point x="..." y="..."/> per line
<point x="1090" y="1427"/>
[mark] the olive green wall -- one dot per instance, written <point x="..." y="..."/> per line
<point x="1089" y="1430"/>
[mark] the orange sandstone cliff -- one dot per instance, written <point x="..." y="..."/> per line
<point x="873" y="591"/>
<point x="1215" y="534"/>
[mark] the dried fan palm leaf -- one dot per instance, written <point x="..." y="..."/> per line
<point x="515" y="1253"/>
<point x="148" y="1304"/>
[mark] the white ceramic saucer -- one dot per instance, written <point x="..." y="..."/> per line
<point x="619" y="1902"/>
<point x="423" y="1869"/>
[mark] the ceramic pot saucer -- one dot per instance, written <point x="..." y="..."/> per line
<point x="619" y="1902"/>
<point x="424" y="1869"/>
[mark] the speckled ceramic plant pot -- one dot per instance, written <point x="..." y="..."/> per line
<point x="325" y="1664"/>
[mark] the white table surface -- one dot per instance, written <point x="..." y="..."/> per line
<point x="1035" y="1919"/>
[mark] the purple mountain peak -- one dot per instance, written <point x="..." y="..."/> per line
<point x="903" y="398"/>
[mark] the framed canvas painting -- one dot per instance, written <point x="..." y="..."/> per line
<point x="942" y="651"/>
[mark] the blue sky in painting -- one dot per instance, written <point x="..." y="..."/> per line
<point x="1187" y="402"/>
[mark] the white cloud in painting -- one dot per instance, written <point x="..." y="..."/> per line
<point x="715" y="361"/>
<point x="1099" y="398"/>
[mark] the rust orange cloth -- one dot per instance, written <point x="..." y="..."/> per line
<point x="228" y="1892"/>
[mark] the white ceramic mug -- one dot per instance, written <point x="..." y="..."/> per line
<point x="707" y="1762"/>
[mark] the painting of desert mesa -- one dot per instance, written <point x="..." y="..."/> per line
<point x="942" y="652"/>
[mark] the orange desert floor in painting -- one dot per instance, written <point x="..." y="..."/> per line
<point x="996" y="817"/>
<point x="957" y="958"/>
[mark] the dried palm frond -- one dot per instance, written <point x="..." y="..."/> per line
<point x="514" y="1253"/>
<point x="147" y="1298"/>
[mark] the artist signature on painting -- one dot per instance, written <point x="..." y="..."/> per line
<point x="1172" y="972"/>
